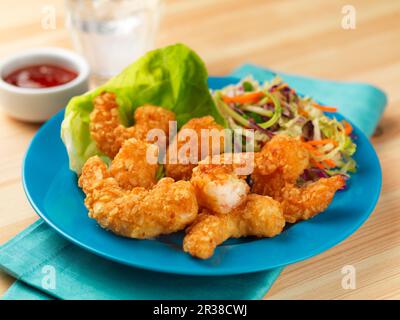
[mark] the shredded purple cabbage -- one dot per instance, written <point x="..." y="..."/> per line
<point x="274" y="87"/>
<point x="254" y="125"/>
<point x="314" y="174"/>
<point x="238" y="110"/>
<point x="265" y="118"/>
<point x="353" y="136"/>
<point x="286" y="93"/>
<point x="268" y="106"/>
<point x="346" y="179"/>
<point x="240" y="89"/>
<point x="286" y="111"/>
<point x="275" y="127"/>
<point x="308" y="131"/>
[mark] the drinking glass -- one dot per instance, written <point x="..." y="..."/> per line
<point x="111" y="34"/>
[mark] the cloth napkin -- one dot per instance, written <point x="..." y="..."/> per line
<point x="38" y="252"/>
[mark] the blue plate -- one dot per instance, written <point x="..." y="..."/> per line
<point x="53" y="192"/>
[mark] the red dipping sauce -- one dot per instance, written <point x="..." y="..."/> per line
<point x="40" y="76"/>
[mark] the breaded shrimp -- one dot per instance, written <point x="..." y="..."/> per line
<point x="138" y="213"/>
<point x="259" y="216"/>
<point x="135" y="165"/>
<point x="186" y="149"/>
<point x="277" y="167"/>
<point x="108" y="132"/>
<point x="218" y="183"/>
<point x="282" y="160"/>
<point x="302" y="203"/>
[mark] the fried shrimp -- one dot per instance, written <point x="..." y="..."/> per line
<point x="138" y="213"/>
<point x="302" y="203"/>
<point x="259" y="216"/>
<point x="189" y="147"/>
<point x="218" y="182"/>
<point x="282" y="160"/>
<point x="108" y="132"/>
<point x="135" y="165"/>
<point x="278" y="166"/>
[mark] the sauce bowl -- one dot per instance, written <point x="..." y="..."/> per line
<point x="39" y="104"/>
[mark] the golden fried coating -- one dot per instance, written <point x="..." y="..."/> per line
<point x="108" y="132"/>
<point x="280" y="161"/>
<point x="277" y="167"/>
<point x="135" y="165"/>
<point x="138" y="213"/>
<point x="259" y="216"/>
<point x="188" y="144"/>
<point x="305" y="202"/>
<point x="218" y="185"/>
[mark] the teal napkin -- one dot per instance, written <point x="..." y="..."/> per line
<point x="38" y="252"/>
<point x="82" y="275"/>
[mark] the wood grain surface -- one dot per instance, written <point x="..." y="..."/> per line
<point x="302" y="36"/>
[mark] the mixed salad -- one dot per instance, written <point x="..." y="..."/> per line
<point x="273" y="107"/>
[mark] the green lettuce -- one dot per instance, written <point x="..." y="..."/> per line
<point x="173" y="77"/>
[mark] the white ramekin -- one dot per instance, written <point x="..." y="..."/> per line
<point x="37" y="105"/>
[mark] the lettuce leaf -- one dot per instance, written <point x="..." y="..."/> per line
<point x="173" y="77"/>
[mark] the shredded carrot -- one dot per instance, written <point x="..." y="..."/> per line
<point x="251" y="97"/>
<point x="348" y="129"/>
<point x="330" y="163"/>
<point x="325" y="108"/>
<point x="312" y="149"/>
<point x="322" y="142"/>
<point x="307" y="146"/>
<point x="302" y="112"/>
<point x="317" y="164"/>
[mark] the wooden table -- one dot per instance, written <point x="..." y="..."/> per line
<point x="302" y="36"/>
